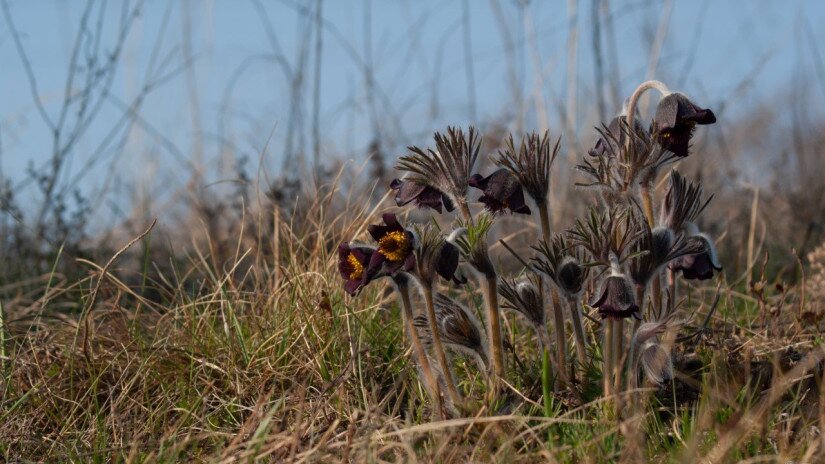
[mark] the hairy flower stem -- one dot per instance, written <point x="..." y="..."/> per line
<point x="464" y="208"/>
<point x="558" y="315"/>
<point x="544" y="216"/>
<point x="672" y="282"/>
<point x="561" y="340"/>
<point x="634" y="98"/>
<point x="618" y="354"/>
<point x="656" y="284"/>
<point x="489" y="287"/>
<point x="430" y="380"/>
<point x="578" y="331"/>
<point x="607" y="355"/>
<point x="438" y="347"/>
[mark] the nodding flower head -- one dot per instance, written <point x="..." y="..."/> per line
<point x="616" y="297"/>
<point x="699" y="265"/>
<point x="655" y="249"/>
<point x="352" y="264"/>
<point x="501" y="192"/>
<point x="562" y="263"/>
<point x="458" y="327"/>
<point x="676" y="117"/>
<point x="447" y="168"/>
<point x="436" y="255"/>
<point x="422" y="196"/>
<point x="395" y="247"/>
<point x="571" y="275"/>
<point x="524" y="297"/>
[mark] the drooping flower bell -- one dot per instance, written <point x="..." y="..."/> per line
<point x="352" y="264"/>
<point x="422" y="196"/>
<point x="446" y="168"/>
<point x="562" y="263"/>
<point x="436" y="255"/>
<point x="501" y="192"/>
<point x="531" y="163"/>
<point x="675" y="119"/>
<point x="700" y="265"/>
<point x="395" y="250"/>
<point x="656" y="248"/>
<point x="616" y="299"/>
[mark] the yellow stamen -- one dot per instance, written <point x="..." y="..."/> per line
<point x="357" y="267"/>
<point x="394" y="246"/>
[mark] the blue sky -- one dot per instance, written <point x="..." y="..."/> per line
<point x="736" y="52"/>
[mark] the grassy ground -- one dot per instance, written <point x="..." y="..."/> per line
<point x="262" y="356"/>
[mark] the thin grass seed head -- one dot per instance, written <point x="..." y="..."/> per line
<point x="531" y="163"/>
<point x="675" y="120"/>
<point x="458" y="327"/>
<point x="448" y="168"/>
<point x="436" y="256"/>
<point x="524" y="296"/>
<point x="502" y="192"/>
<point x="420" y="195"/>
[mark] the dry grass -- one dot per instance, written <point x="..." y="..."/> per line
<point x="264" y="357"/>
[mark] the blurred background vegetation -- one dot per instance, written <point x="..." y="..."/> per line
<point x="117" y="112"/>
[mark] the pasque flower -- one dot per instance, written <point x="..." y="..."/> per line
<point x="446" y="168"/>
<point x="395" y="247"/>
<point x="616" y="297"/>
<point x="700" y="265"/>
<point x="562" y="263"/>
<point x="352" y="264"/>
<point x="436" y="255"/>
<point x="422" y="196"/>
<point x="531" y="163"/>
<point x="676" y="117"/>
<point x="502" y="191"/>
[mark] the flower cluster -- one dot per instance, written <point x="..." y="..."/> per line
<point x="608" y="266"/>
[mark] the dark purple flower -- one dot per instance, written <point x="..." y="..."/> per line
<point x="352" y="264"/>
<point x="676" y="117"/>
<point x="570" y="275"/>
<point x="701" y="265"/>
<point x="501" y="191"/>
<point x="447" y="263"/>
<point x="616" y="299"/>
<point x="395" y="247"/>
<point x="423" y="196"/>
